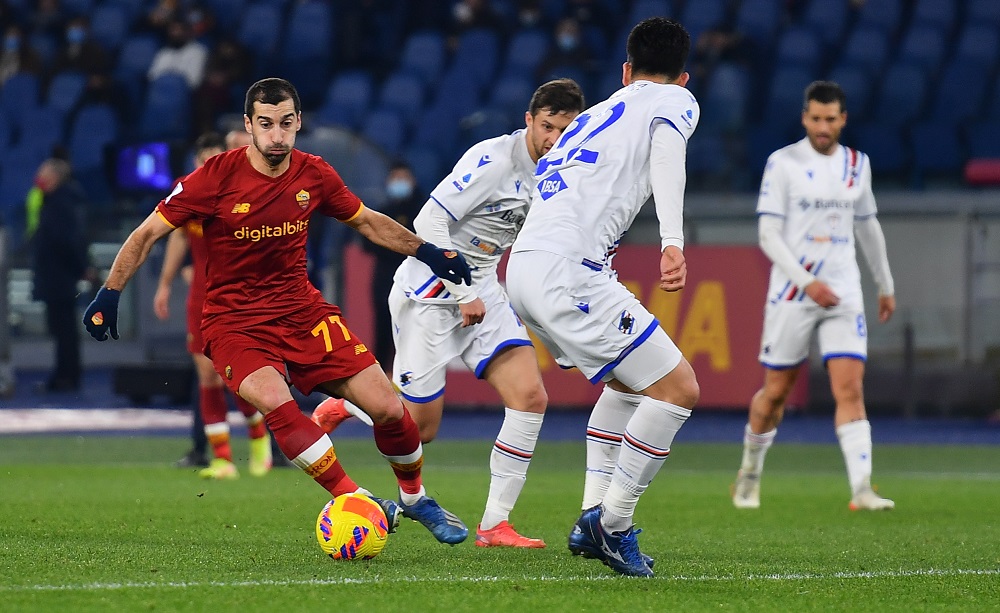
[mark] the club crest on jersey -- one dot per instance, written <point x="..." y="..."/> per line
<point x="229" y="372"/>
<point x="626" y="322"/>
<point x="302" y="198"/>
<point x="406" y="378"/>
<point x="551" y="186"/>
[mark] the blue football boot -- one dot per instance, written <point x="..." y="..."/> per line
<point x="445" y="526"/>
<point x="582" y="545"/>
<point x="391" y="510"/>
<point x="618" y="550"/>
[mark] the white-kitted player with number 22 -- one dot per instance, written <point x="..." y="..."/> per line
<point x="591" y="185"/>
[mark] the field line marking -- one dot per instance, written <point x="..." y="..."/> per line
<point x="929" y="572"/>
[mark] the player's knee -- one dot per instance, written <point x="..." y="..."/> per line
<point x="533" y="399"/>
<point x="848" y="392"/>
<point x="688" y="393"/>
<point x="428" y="432"/>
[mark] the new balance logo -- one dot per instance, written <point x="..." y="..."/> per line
<point x="359" y="349"/>
<point x="241" y="207"/>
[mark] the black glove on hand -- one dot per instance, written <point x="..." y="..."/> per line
<point x="102" y="314"/>
<point x="447" y="264"/>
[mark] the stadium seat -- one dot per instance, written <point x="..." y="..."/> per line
<point x="134" y="9"/>
<point x="984" y="139"/>
<point x="19" y="168"/>
<point x="923" y="45"/>
<point x="109" y="25"/>
<point x="759" y="20"/>
<point x="939" y="13"/>
<point x="438" y="130"/>
<point x="883" y="144"/>
<point x="476" y="57"/>
<point x="347" y="99"/>
<point x="706" y="156"/>
<point x="868" y="47"/>
<point x="136" y="57"/>
<point x="227" y="14"/>
<point x="76" y="8"/>
<point x="936" y="150"/>
<point x="982" y="12"/>
<point x="6" y="135"/>
<point x="959" y="94"/>
<point x="94" y="128"/>
<point x="426" y="165"/>
<point x="403" y="92"/>
<point x="455" y="93"/>
<point x="980" y="45"/>
<point x="799" y="47"/>
<point x="702" y="15"/>
<point x="65" y="90"/>
<point x="20" y="91"/>
<point x="512" y="94"/>
<point x="884" y="14"/>
<point x="260" y="32"/>
<point x="902" y="95"/>
<point x="525" y="52"/>
<point x="46" y="129"/>
<point x="723" y="107"/>
<point x="386" y="129"/>
<point x="761" y="141"/>
<point x="166" y="113"/>
<point x="828" y="19"/>
<point x="424" y="54"/>
<point x="783" y="105"/>
<point x="643" y="9"/>
<point x="308" y="32"/>
<point x="857" y="85"/>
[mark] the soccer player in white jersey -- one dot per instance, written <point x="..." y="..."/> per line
<point x="815" y="201"/>
<point x="477" y="210"/>
<point x="591" y="185"/>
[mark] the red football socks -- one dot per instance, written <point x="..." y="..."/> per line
<point x="309" y="448"/>
<point x="399" y="442"/>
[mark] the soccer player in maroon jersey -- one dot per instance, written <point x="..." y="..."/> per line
<point x="211" y="396"/>
<point x="263" y="323"/>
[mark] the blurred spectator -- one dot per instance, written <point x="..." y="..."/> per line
<point x="402" y="203"/>
<point x="200" y="20"/>
<point x="591" y="14"/>
<point x="719" y="44"/>
<point x="227" y="66"/>
<point x="569" y="50"/>
<point x="529" y="13"/>
<point x="83" y="54"/>
<point x="47" y="20"/>
<point x="17" y="56"/>
<point x="161" y="15"/>
<point x="474" y="14"/>
<point x="238" y="138"/>
<point x="181" y="54"/>
<point x="55" y="225"/>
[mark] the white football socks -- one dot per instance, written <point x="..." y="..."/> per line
<point x="509" y="462"/>
<point x="856" y="445"/>
<point x="604" y="439"/>
<point x="755" y="448"/>
<point x="645" y="445"/>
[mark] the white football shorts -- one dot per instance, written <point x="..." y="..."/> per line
<point x="788" y="327"/>
<point x="429" y="336"/>
<point x="589" y="320"/>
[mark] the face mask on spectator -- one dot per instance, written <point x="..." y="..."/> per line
<point x="399" y="189"/>
<point x="568" y="42"/>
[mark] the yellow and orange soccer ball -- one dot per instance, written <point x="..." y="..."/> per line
<point x="352" y="527"/>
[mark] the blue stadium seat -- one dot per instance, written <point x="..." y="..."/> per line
<point x="512" y="94"/>
<point x="166" y="113"/>
<point x="347" y="99"/>
<point x="799" y="47"/>
<point x="477" y="57"/>
<point x="979" y="44"/>
<point x="828" y="19"/>
<point x="19" y="167"/>
<point x="94" y="128"/>
<point x="438" y="130"/>
<point x="227" y="13"/>
<point x="758" y="20"/>
<point x="883" y="144"/>
<point x="109" y="25"/>
<point x="20" y="91"/>
<point x="959" y="94"/>
<point x="935" y="147"/>
<point x="76" y="8"/>
<point x="857" y="85"/>
<point x="761" y="141"/>
<point x="993" y="106"/>
<point x="923" y="45"/>
<point x="525" y="52"/>
<point x="783" y="105"/>
<point x="134" y="9"/>
<point x="706" y="156"/>
<point x="260" y="31"/>
<point x="65" y="90"/>
<point x="46" y="129"/>
<point x="903" y="92"/>
<point x="308" y="33"/>
<point x="884" y="14"/>
<point x="6" y="134"/>
<point x="386" y="129"/>
<point x="643" y="9"/>
<point x="403" y="92"/>
<point x="702" y="15"/>
<point x="136" y="57"/>
<point x="868" y="47"/>
<point x="940" y="13"/>
<point x="724" y="105"/>
<point x="982" y="12"/>
<point x="487" y="123"/>
<point x="424" y="54"/>
<point x="456" y="93"/>
<point x="569" y="71"/>
<point x="426" y="165"/>
<point x="984" y="139"/>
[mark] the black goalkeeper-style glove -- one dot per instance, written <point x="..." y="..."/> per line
<point x="445" y="263"/>
<point x="102" y="314"/>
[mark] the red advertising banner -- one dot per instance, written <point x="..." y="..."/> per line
<point x="716" y="321"/>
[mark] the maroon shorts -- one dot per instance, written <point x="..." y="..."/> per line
<point x="195" y="340"/>
<point x="311" y="346"/>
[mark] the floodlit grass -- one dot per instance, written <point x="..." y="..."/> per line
<point x="104" y="524"/>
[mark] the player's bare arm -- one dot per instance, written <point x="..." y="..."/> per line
<point x="173" y="259"/>
<point x="673" y="269"/>
<point x="135" y="250"/>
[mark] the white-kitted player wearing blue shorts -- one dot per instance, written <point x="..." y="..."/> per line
<point x="591" y="185"/>
<point x="815" y="201"/>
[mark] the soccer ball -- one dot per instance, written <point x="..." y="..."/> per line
<point x="352" y="527"/>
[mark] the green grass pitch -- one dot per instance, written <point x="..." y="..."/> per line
<point x="105" y="524"/>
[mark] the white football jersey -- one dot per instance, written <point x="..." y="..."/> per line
<point x="819" y="196"/>
<point x="487" y="196"/>
<point x="593" y="182"/>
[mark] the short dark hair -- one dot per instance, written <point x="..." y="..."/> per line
<point x="271" y="91"/>
<point x="558" y="96"/>
<point x="658" y="46"/>
<point x="210" y="140"/>
<point x="824" y="92"/>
